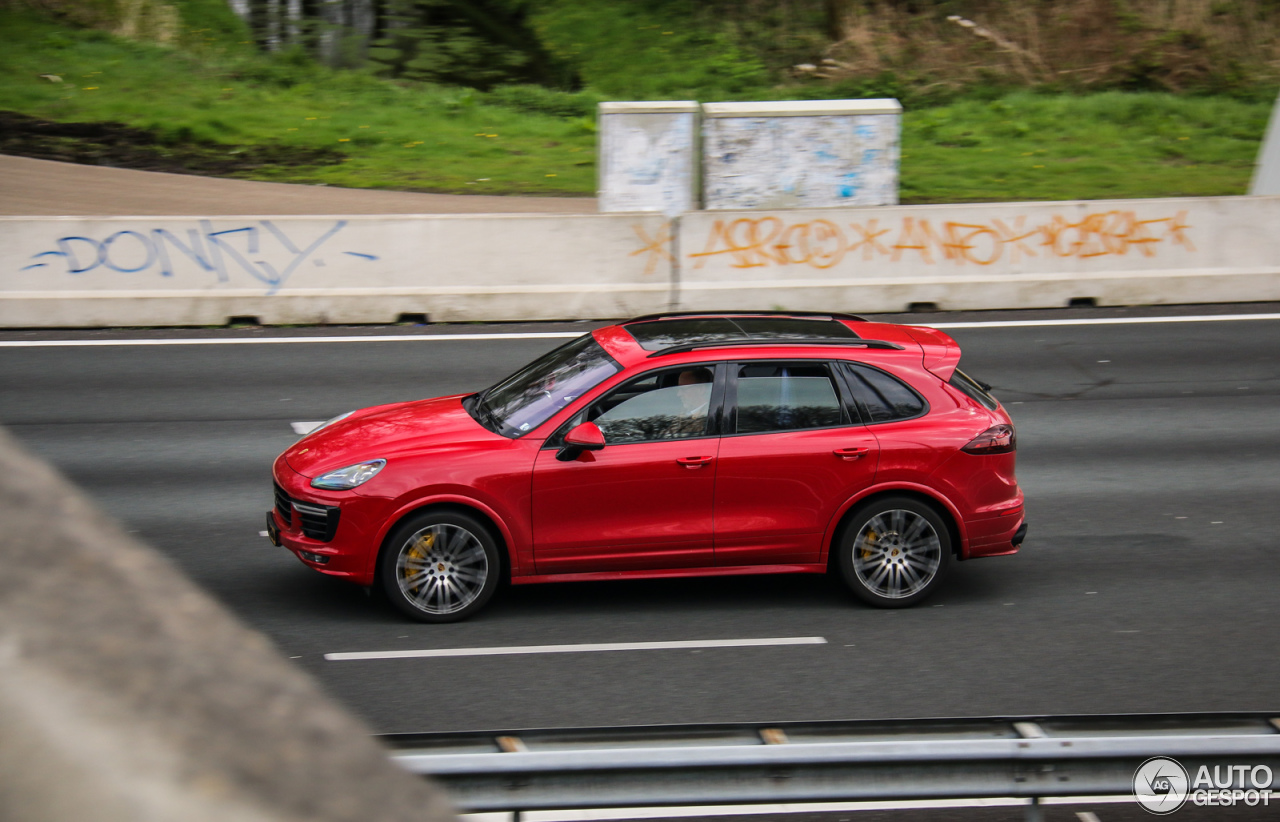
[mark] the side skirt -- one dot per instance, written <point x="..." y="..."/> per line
<point x="668" y="573"/>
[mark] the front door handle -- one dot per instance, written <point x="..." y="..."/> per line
<point x="850" y="453"/>
<point x="694" y="462"/>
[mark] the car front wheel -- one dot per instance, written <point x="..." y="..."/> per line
<point x="440" y="567"/>
<point x="894" y="552"/>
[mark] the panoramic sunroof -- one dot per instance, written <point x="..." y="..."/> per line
<point x="658" y="334"/>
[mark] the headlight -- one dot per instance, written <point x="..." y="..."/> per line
<point x="329" y="422"/>
<point x="349" y="477"/>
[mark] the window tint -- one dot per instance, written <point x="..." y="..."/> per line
<point x="785" y="397"/>
<point x="882" y="398"/>
<point x="794" y="329"/>
<point x="671" y="404"/>
<point x="654" y="335"/>
<point x="972" y="388"/>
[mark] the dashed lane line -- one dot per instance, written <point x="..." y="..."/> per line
<point x="678" y="812"/>
<point x="577" y="649"/>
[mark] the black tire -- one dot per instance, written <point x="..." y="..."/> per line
<point x="894" y="552"/>
<point x="440" y="566"/>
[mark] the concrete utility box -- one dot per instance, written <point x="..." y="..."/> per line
<point x="801" y="154"/>
<point x="649" y="157"/>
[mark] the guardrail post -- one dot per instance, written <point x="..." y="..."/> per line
<point x="1035" y="813"/>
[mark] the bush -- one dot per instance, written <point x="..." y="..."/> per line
<point x="540" y="100"/>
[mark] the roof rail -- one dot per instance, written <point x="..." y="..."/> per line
<point x="827" y="315"/>
<point x="840" y="341"/>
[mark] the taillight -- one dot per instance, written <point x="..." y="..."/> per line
<point x="998" y="439"/>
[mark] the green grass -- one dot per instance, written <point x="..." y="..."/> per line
<point x="214" y="90"/>
<point x="1101" y="146"/>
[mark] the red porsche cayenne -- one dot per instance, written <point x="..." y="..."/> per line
<point x="669" y="445"/>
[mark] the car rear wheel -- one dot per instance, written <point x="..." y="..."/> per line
<point x="440" y="566"/>
<point x="894" y="552"/>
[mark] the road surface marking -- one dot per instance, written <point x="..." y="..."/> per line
<point x="566" y="335"/>
<point x="304" y="428"/>
<point x="592" y="814"/>
<point x="557" y="335"/>
<point x="577" y="649"/>
<point x="1200" y="318"/>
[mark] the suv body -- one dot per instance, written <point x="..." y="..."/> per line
<point x="669" y="445"/>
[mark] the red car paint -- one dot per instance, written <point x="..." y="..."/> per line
<point x="732" y="503"/>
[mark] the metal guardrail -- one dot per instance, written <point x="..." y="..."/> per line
<point x="1028" y="757"/>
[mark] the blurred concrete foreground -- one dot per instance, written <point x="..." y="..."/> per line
<point x="127" y="694"/>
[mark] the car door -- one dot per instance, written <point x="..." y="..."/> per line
<point x="644" y="501"/>
<point x="793" y="451"/>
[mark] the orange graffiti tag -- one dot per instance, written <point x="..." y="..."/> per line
<point x="770" y="241"/>
<point x="656" y="248"/>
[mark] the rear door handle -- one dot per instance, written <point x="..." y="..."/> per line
<point x="850" y="453"/>
<point x="694" y="462"/>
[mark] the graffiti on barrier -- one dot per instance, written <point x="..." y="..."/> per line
<point x="755" y="242"/>
<point x="221" y="253"/>
<point x="657" y="246"/>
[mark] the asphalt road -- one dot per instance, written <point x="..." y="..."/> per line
<point x="1149" y="453"/>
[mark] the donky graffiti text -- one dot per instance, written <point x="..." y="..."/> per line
<point x="245" y="248"/>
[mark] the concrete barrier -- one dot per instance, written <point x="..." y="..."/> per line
<point x="188" y="271"/>
<point x="984" y="256"/>
<point x="128" y="695"/>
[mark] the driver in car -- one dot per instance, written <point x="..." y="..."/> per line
<point x="694" y="391"/>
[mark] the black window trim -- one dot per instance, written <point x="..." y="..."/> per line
<point x="847" y="365"/>
<point x="978" y="389"/>
<point x="715" y="405"/>
<point x="849" y="414"/>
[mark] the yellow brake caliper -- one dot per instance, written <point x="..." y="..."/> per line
<point x="871" y="539"/>
<point x="419" y="550"/>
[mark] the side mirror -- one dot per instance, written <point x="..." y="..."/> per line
<point x="584" y="437"/>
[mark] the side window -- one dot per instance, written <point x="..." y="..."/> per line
<point x="670" y="404"/>
<point x="881" y="397"/>
<point x="786" y="397"/>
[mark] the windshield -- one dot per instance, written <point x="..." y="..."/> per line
<point x="529" y="397"/>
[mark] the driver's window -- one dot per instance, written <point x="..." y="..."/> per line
<point x="670" y="404"/>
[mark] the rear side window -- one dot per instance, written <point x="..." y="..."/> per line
<point x="786" y="397"/>
<point x="881" y="397"/>
<point x="972" y="388"/>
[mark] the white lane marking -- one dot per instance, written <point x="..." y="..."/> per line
<point x="549" y="335"/>
<point x="1201" y="318"/>
<point x="592" y="814"/>
<point x="567" y="335"/>
<point x="304" y="428"/>
<point x="575" y="649"/>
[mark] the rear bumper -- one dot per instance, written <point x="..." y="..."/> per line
<point x="997" y="536"/>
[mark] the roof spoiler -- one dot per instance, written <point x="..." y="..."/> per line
<point x="941" y="353"/>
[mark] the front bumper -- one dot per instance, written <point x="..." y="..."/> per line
<point x="334" y="533"/>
